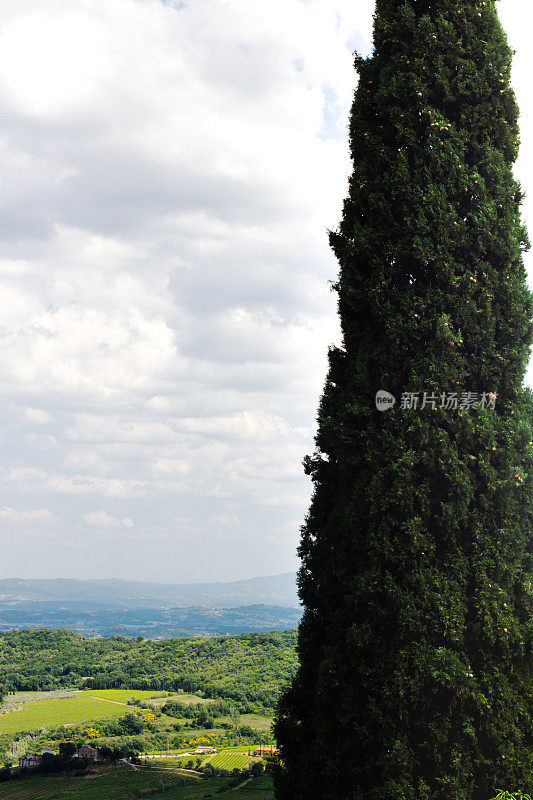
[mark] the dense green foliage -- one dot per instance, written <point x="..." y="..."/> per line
<point x="416" y="553"/>
<point x="249" y="669"/>
<point x="201" y="715"/>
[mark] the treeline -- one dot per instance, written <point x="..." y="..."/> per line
<point x="250" y="668"/>
<point x="201" y="715"/>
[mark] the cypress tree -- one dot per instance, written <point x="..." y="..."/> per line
<point x="416" y="671"/>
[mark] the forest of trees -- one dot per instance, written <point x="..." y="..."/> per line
<point x="250" y="668"/>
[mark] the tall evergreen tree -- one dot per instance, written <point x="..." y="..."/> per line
<point x="416" y="645"/>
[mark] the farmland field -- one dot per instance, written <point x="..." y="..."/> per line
<point x="77" y="707"/>
<point x="185" y="699"/>
<point x="123" y="695"/>
<point x="257" y="721"/>
<point x="180" y="762"/>
<point x="258" y="789"/>
<point x="12" y="701"/>
<point x="229" y="760"/>
<point x="123" y="784"/>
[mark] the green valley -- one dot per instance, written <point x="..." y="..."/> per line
<point x="191" y="717"/>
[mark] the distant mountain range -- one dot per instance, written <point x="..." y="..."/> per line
<point x="273" y="590"/>
<point x="111" y="607"/>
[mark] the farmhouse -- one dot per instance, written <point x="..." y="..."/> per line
<point x="202" y="751"/>
<point x="263" y="751"/>
<point x="36" y="759"/>
<point x="86" y="751"/>
<point x="30" y="761"/>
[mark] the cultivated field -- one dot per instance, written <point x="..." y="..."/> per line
<point x="32" y="714"/>
<point x="229" y="760"/>
<point x="126" y="783"/>
<point x="256" y="721"/>
<point x="13" y="701"/>
<point x="258" y="789"/>
<point x="123" y="695"/>
<point x="186" y="699"/>
<point x="163" y="760"/>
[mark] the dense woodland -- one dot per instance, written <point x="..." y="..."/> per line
<point x="249" y="669"/>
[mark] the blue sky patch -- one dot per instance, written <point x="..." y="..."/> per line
<point x="331" y="116"/>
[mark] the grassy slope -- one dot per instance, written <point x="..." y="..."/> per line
<point x="184" y="699"/>
<point x="81" y="707"/>
<point x="123" y="695"/>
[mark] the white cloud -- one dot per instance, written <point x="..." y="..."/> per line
<point x="35" y="518"/>
<point x="41" y="442"/>
<point x="33" y="480"/>
<point x="37" y="416"/>
<point x="52" y="62"/>
<point x="169" y="174"/>
<point x="100" y="519"/>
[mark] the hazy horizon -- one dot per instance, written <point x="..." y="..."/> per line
<point x="134" y="580"/>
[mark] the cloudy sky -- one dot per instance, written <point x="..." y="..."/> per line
<point x="169" y="171"/>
